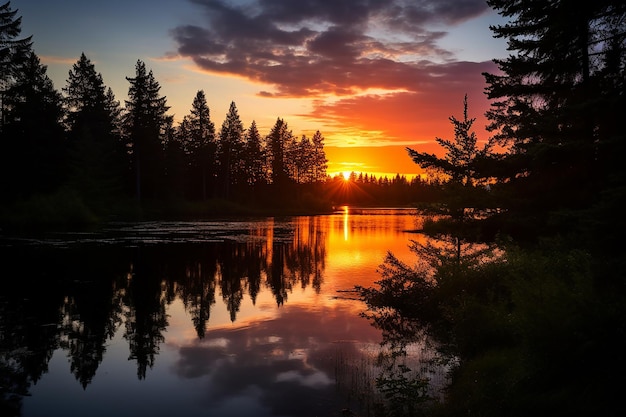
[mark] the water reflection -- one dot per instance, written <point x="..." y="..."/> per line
<point x="234" y="312"/>
<point x="289" y="364"/>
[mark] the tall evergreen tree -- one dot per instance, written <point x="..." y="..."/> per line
<point x="300" y="154"/>
<point x="145" y="124"/>
<point x="279" y="137"/>
<point x="198" y="139"/>
<point x="292" y="159"/>
<point x="254" y="157"/>
<point x="115" y="111"/>
<point x="458" y="164"/>
<point x="33" y="156"/>
<point x="97" y="152"/>
<point x="13" y="51"/>
<point x="320" y="163"/>
<point x="556" y="100"/>
<point x="464" y="198"/>
<point x="230" y="149"/>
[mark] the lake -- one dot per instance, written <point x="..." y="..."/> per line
<point x="250" y="317"/>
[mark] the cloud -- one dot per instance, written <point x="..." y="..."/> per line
<point x="412" y="116"/>
<point x="316" y="48"/>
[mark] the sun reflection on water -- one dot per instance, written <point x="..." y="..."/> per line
<point x="346" y="220"/>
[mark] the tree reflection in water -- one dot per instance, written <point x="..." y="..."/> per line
<point x="76" y="297"/>
<point x="86" y="298"/>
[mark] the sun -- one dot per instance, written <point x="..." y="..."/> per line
<point x="347" y="189"/>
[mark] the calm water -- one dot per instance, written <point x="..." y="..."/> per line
<point x="220" y="318"/>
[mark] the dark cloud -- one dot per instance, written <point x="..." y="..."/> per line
<point x="196" y="41"/>
<point x="337" y="44"/>
<point x="336" y="12"/>
<point x="314" y="47"/>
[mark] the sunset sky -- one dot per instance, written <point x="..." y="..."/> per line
<point x="374" y="76"/>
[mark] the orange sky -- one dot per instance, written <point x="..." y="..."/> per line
<point x="373" y="131"/>
<point x="380" y="161"/>
<point x="372" y="76"/>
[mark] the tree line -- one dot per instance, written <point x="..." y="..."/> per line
<point x="82" y="139"/>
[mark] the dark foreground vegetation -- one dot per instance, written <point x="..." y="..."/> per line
<point x="522" y="288"/>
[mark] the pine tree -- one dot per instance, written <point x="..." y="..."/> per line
<point x="279" y="137"/>
<point x="320" y="163"/>
<point x="13" y="52"/>
<point x="464" y="197"/>
<point x="557" y="98"/>
<point x="230" y="148"/>
<point x="115" y="112"/>
<point x="292" y="158"/>
<point x="97" y="152"/>
<point x="34" y="154"/>
<point x="198" y="139"/>
<point x="458" y="164"/>
<point x="300" y="158"/>
<point x="254" y="157"/>
<point x="145" y="125"/>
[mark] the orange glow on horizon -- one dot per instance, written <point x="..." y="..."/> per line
<point x="380" y="161"/>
